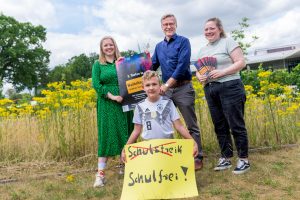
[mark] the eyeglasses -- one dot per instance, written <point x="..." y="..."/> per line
<point x="168" y="24"/>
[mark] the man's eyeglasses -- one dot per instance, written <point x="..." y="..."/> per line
<point x="168" y="24"/>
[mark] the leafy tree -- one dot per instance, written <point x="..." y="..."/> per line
<point x="23" y="60"/>
<point x="57" y="74"/>
<point x="239" y="35"/>
<point x="281" y="76"/>
<point x="77" y="68"/>
<point x="295" y="75"/>
<point x="128" y="53"/>
<point x="1" y="94"/>
<point x="250" y="77"/>
<point x="80" y="67"/>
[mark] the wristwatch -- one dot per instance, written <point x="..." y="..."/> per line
<point x="167" y="85"/>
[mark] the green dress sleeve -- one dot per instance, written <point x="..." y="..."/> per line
<point x="96" y="81"/>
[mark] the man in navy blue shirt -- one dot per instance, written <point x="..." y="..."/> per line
<point x="173" y="56"/>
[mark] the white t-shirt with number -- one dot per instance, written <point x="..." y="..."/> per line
<point x="156" y="117"/>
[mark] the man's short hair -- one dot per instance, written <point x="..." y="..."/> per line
<point x="168" y="15"/>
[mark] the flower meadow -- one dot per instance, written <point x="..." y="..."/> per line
<point x="62" y="124"/>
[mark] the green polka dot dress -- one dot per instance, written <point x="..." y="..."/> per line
<point x="114" y="125"/>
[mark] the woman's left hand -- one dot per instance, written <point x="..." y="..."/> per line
<point x="217" y="73"/>
<point x="120" y="59"/>
<point x="118" y="99"/>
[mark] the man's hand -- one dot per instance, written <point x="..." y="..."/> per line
<point x="163" y="89"/>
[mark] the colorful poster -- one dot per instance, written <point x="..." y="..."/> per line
<point x="159" y="169"/>
<point x="130" y="71"/>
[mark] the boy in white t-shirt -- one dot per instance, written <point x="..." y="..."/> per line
<point x="155" y="116"/>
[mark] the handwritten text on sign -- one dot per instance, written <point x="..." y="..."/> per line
<point x="159" y="169"/>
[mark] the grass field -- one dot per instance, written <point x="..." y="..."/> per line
<point x="274" y="174"/>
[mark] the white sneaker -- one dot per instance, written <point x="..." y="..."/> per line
<point x="99" y="182"/>
<point x="241" y="167"/>
<point x="223" y="164"/>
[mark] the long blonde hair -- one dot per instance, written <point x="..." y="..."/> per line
<point x="102" y="58"/>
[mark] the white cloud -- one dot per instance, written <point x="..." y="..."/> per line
<point x="65" y="46"/>
<point x="138" y="21"/>
<point x="281" y="31"/>
<point x="35" y="11"/>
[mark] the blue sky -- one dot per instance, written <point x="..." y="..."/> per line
<point x="76" y="26"/>
<point x="74" y="16"/>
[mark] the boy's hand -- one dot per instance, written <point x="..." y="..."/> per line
<point x="123" y="156"/>
<point x="195" y="149"/>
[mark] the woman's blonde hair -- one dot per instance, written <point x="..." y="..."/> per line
<point x="219" y="25"/>
<point x="102" y="58"/>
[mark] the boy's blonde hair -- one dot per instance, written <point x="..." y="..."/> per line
<point x="149" y="74"/>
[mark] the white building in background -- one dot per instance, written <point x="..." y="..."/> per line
<point x="287" y="56"/>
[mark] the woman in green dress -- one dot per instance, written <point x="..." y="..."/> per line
<point x="114" y="125"/>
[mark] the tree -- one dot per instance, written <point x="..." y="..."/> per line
<point x="77" y="68"/>
<point x="57" y="74"/>
<point x="23" y="60"/>
<point x="1" y="94"/>
<point x="128" y="53"/>
<point x="80" y="67"/>
<point x="239" y="35"/>
<point x="295" y="75"/>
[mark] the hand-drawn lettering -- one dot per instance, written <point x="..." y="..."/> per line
<point x="142" y="178"/>
<point x="135" y="151"/>
<point x="166" y="176"/>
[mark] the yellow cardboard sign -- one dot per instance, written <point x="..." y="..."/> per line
<point x="159" y="169"/>
<point x="134" y="85"/>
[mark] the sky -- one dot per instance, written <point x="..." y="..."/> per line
<point x="76" y="26"/>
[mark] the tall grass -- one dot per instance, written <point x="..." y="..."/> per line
<point x="270" y="120"/>
<point x="63" y="126"/>
<point x="59" y="136"/>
